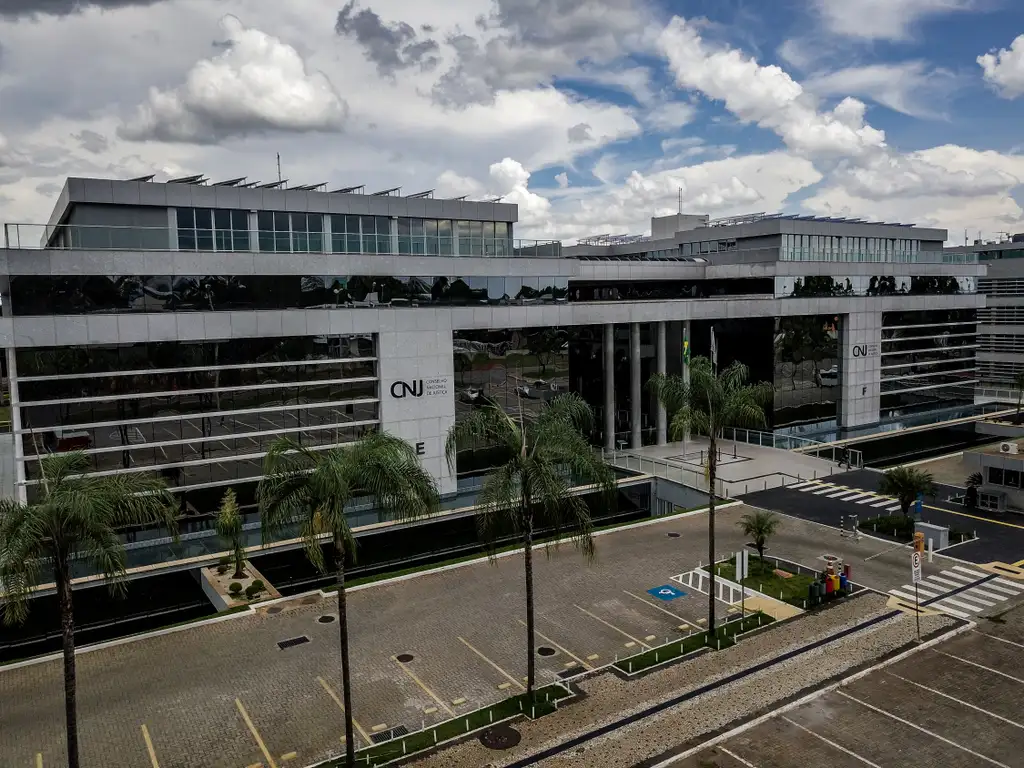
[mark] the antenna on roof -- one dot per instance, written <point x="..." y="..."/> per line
<point x="278" y="167"/>
<point x="144" y="178"/>
<point x="680" y="209"/>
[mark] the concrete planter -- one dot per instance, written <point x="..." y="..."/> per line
<point x="216" y="586"/>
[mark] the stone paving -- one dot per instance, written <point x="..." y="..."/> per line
<point x="610" y="698"/>
<point x="223" y="695"/>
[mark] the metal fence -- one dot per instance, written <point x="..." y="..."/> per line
<point x="850" y="457"/>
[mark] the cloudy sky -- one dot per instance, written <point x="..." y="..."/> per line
<point x="590" y="114"/>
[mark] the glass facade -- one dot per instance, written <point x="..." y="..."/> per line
<point x="360" y="234"/>
<point x="93" y="294"/>
<point x="654" y="290"/>
<point x="928" y="361"/>
<point x="281" y="232"/>
<point x="806" y="372"/>
<point x="199" y="413"/>
<point x="877" y="285"/>
<point x="206" y="229"/>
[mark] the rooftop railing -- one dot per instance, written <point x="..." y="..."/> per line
<point x="875" y="257"/>
<point x="130" y="238"/>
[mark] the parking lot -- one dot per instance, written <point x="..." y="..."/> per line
<point x="423" y="650"/>
<point x="954" y="704"/>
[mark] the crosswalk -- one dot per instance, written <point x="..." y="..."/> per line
<point x="868" y="499"/>
<point x="961" y="591"/>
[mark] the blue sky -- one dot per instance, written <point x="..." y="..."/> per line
<point x="590" y="114"/>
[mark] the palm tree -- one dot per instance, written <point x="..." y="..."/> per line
<point x="544" y="455"/>
<point x="974" y="481"/>
<point x="76" y="517"/>
<point x="229" y="528"/>
<point x="759" y="526"/>
<point x="706" y="404"/>
<point x="904" y="484"/>
<point x="312" y="488"/>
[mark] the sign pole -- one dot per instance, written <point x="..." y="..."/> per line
<point x="917" y="613"/>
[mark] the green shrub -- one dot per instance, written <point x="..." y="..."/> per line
<point x="258" y="585"/>
<point x="222" y="569"/>
<point x="225" y="561"/>
<point x="251" y="592"/>
<point x="235" y="588"/>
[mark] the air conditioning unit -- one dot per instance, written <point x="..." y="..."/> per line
<point x="1008" y="448"/>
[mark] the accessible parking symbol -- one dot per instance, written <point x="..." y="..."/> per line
<point x="666" y="593"/>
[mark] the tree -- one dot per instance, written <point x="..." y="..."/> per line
<point x="229" y="528"/>
<point x="974" y="481"/>
<point x="75" y="517"/>
<point x="543" y="454"/>
<point x="759" y="526"/>
<point x="313" y="488"/>
<point x="705" y="405"/>
<point x="904" y="484"/>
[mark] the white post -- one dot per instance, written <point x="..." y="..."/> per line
<point x="930" y="548"/>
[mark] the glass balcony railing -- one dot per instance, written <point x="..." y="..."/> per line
<point x="875" y="257"/>
<point x="118" y="238"/>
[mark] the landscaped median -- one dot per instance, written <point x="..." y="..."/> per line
<point x="545" y="701"/>
<point x="723" y="637"/>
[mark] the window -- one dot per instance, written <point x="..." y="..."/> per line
<point x="361" y="234"/>
<point x="995" y="476"/>
<point x="205" y="229"/>
<point x="1011" y="478"/>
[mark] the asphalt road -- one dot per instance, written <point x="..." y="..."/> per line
<point x="1000" y="537"/>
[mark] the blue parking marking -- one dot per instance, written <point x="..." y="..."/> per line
<point x="666" y="593"/>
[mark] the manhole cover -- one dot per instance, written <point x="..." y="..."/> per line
<point x="292" y="642"/>
<point x="545" y="651"/>
<point x="672" y="535"/>
<point x="500" y="737"/>
<point x="405" y="658"/>
<point x="274" y="609"/>
<point x="326" y="619"/>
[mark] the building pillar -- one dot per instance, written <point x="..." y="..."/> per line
<point x="18" y="490"/>
<point x="608" y="348"/>
<point x="662" y="367"/>
<point x="635" y="437"/>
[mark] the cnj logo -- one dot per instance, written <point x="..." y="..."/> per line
<point x="402" y="389"/>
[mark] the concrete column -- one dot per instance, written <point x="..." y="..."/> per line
<point x="662" y="366"/>
<point x="15" y="486"/>
<point x="635" y="438"/>
<point x="609" y="387"/>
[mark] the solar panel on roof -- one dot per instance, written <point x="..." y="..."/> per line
<point x="347" y="190"/>
<point x="230" y="182"/>
<point x="150" y="177"/>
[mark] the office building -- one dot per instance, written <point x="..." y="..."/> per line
<point x="180" y="327"/>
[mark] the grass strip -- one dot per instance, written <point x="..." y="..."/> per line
<point x="543" y="703"/>
<point x="723" y="637"/>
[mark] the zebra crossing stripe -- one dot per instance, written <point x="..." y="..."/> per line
<point x="882" y="503"/>
<point x="989" y="595"/>
<point x="926" y="592"/>
<point x="841" y="492"/>
<point x="950" y="611"/>
<point x="961" y="578"/>
<point x="857" y="495"/>
<point x="868" y="499"/>
<point x="826" y="489"/>
<point x="1005" y="590"/>
<point x="969" y="596"/>
<point x="903" y="595"/>
<point x="1008" y="583"/>
<point x="894" y="508"/>
<point x="797" y="486"/>
<point x="972" y="574"/>
<point x="956" y="601"/>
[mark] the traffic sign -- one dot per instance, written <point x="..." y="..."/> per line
<point x="915" y="566"/>
<point x="666" y="593"/>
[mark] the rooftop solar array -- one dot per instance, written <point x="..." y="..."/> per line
<point x="755" y="217"/>
<point x="242" y="182"/>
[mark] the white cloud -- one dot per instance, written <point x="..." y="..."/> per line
<point x="1004" y="69"/>
<point x="257" y="84"/>
<point x="671" y="116"/>
<point x="767" y="96"/>
<point x="910" y="87"/>
<point x="882" y="19"/>
<point x="508" y="180"/>
<point x="562" y="180"/>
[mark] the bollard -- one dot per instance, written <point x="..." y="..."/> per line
<point x="631" y="667"/>
<point x="931" y="545"/>
<point x="766" y="484"/>
<point x="403" y="746"/>
<point x="655" y="657"/>
<point x="491" y="713"/>
<point x="435" y="735"/>
<point x="467" y="724"/>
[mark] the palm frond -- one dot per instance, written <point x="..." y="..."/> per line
<point x="500" y="504"/>
<point x="486" y="426"/>
<point x="570" y="408"/>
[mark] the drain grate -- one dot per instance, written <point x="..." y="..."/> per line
<point x="274" y="610"/>
<point x="405" y="658"/>
<point x="292" y="642"/>
<point x="327" y="619"/>
<point x="672" y="535"/>
<point x="545" y="651"/>
<point x="389" y="734"/>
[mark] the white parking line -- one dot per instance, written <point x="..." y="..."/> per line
<point x="1000" y="639"/>
<point x="958" y="701"/>
<point x="916" y="727"/>
<point x="831" y="743"/>
<point x="882" y="503"/>
<point x="868" y="498"/>
<point x="737" y="758"/>
<point x="826" y="489"/>
<point x="1007" y="583"/>
<point x="982" y="666"/>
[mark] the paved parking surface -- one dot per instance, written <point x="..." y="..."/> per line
<point x="955" y="705"/>
<point x="225" y="695"/>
